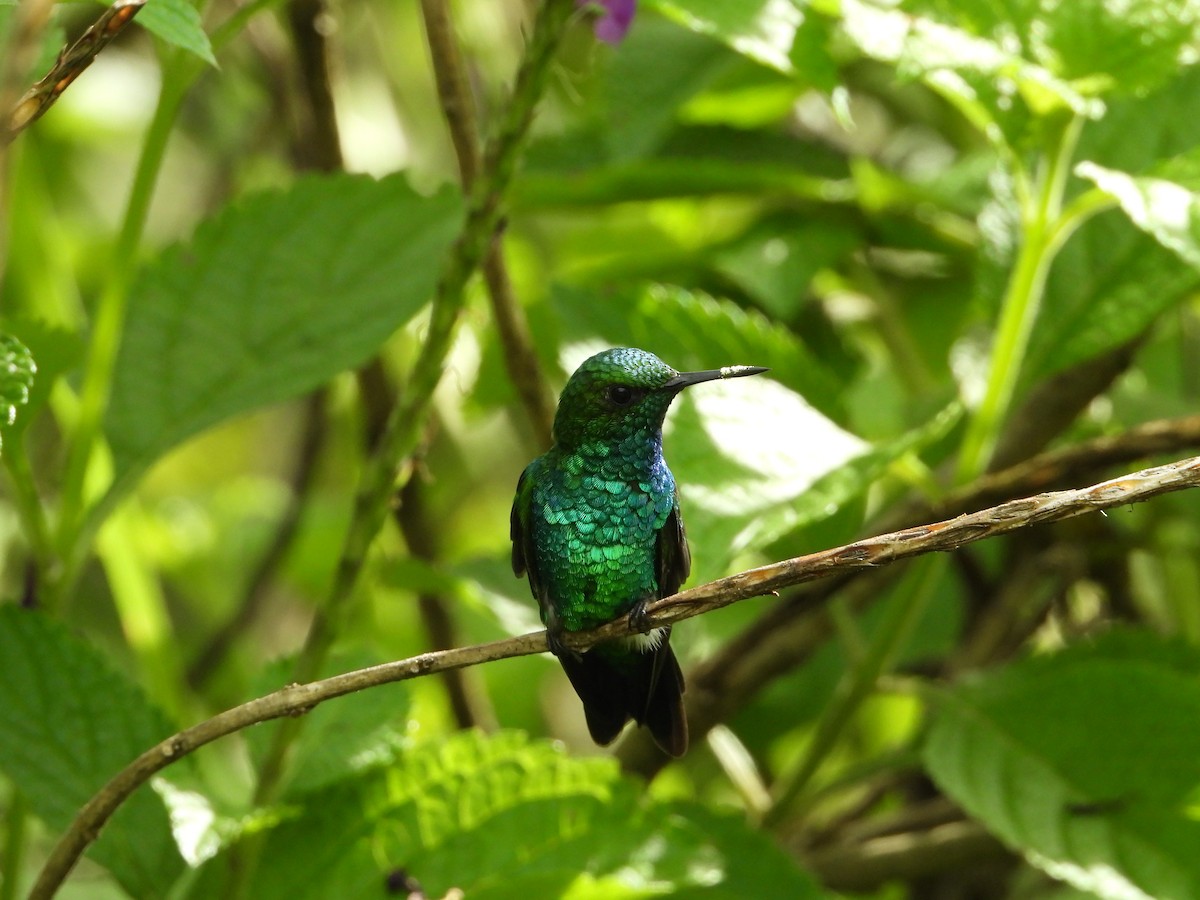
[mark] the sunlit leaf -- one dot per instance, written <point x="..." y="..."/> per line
<point x="1018" y="750"/>
<point x="1102" y="46"/>
<point x="923" y="47"/>
<point x="763" y="30"/>
<point x="1167" y="210"/>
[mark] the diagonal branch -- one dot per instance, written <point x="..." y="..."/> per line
<point x="70" y="65"/>
<point x="874" y="552"/>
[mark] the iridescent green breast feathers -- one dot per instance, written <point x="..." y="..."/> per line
<point x="597" y="529"/>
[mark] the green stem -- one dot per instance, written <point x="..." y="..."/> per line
<point x="73" y="537"/>
<point x="29" y="505"/>
<point x="889" y="638"/>
<point x="404" y="425"/>
<point x="1041" y="240"/>
<point x="16" y="824"/>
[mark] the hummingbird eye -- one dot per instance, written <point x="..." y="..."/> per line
<point x="620" y="394"/>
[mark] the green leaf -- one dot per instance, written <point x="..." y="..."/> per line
<point x="1107" y="286"/>
<point x="1100" y="46"/>
<point x="272" y="297"/>
<point x="501" y="817"/>
<point x="17" y="370"/>
<point x="776" y="260"/>
<point x="1112" y="280"/>
<point x="763" y="30"/>
<point x="743" y="475"/>
<point x="977" y="70"/>
<point x="691" y="330"/>
<point x="68" y="723"/>
<point x="1083" y="761"/>
<point x="660" y="66"/>
<point x="1166" y="210"/>
<point x="178" y="23"/>
<point x="1125" y="46"/>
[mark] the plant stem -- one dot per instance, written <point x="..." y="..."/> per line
<point x="403" y="430"/>
<point x="520" y="357"/>
<point x="890" y="636"/>
<point x="16" y="826"/>
<point x="75" y="531"/>
<point x="1022" y="299"/>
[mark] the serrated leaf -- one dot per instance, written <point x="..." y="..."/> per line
<point x="17" y="370"/>
<point x="272" y="297"/>
<point x="177" y="22"/>
<point x="502" y="817"/>
<point x="1083" y="761"/>
<point x="1166" y="210"/>
<point x="691" y="330"/>
<point x="68" y="723"/>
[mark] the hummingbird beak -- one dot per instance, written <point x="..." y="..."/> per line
<point x="687" y="379"/>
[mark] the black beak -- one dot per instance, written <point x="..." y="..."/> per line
<point x="687" y="379"/>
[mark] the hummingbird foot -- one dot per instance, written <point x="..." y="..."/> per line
<point x="554" y="639"/>
<point x="638" y="617"/>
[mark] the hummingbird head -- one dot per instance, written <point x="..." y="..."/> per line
<point x="621" y="392"/>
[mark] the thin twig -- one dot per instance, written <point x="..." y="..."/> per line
<point x="866" y="866"/>
<point x="72" y="62"/>
<point x="468" y="703"/>
<point x="871" y="553"/>
<point x="454" y="91"/>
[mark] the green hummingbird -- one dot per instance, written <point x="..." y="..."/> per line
<point x="596" y="526"/>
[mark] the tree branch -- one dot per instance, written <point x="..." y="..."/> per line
<point x="790" y="631"/>
<point x="874" y="552"/>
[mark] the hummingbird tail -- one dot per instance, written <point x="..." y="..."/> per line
<point x="617" y="683"/>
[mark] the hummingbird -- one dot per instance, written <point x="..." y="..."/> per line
<point x="596" y="527"/>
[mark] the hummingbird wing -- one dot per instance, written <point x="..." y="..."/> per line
<point x="524" y="551"/>
<point x="674" y="558"/>
<point x="517" y="530"/>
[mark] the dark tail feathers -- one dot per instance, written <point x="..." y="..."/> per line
<point x="617" y="683"/>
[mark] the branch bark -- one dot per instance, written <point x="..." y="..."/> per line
<point x="875" y="552"/>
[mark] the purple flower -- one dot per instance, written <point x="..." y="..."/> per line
<point x="612" y="25"/>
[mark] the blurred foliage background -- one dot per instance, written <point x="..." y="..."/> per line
<point x="961" y="234"/>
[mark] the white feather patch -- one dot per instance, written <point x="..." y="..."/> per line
<point x="648" y="642"/>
